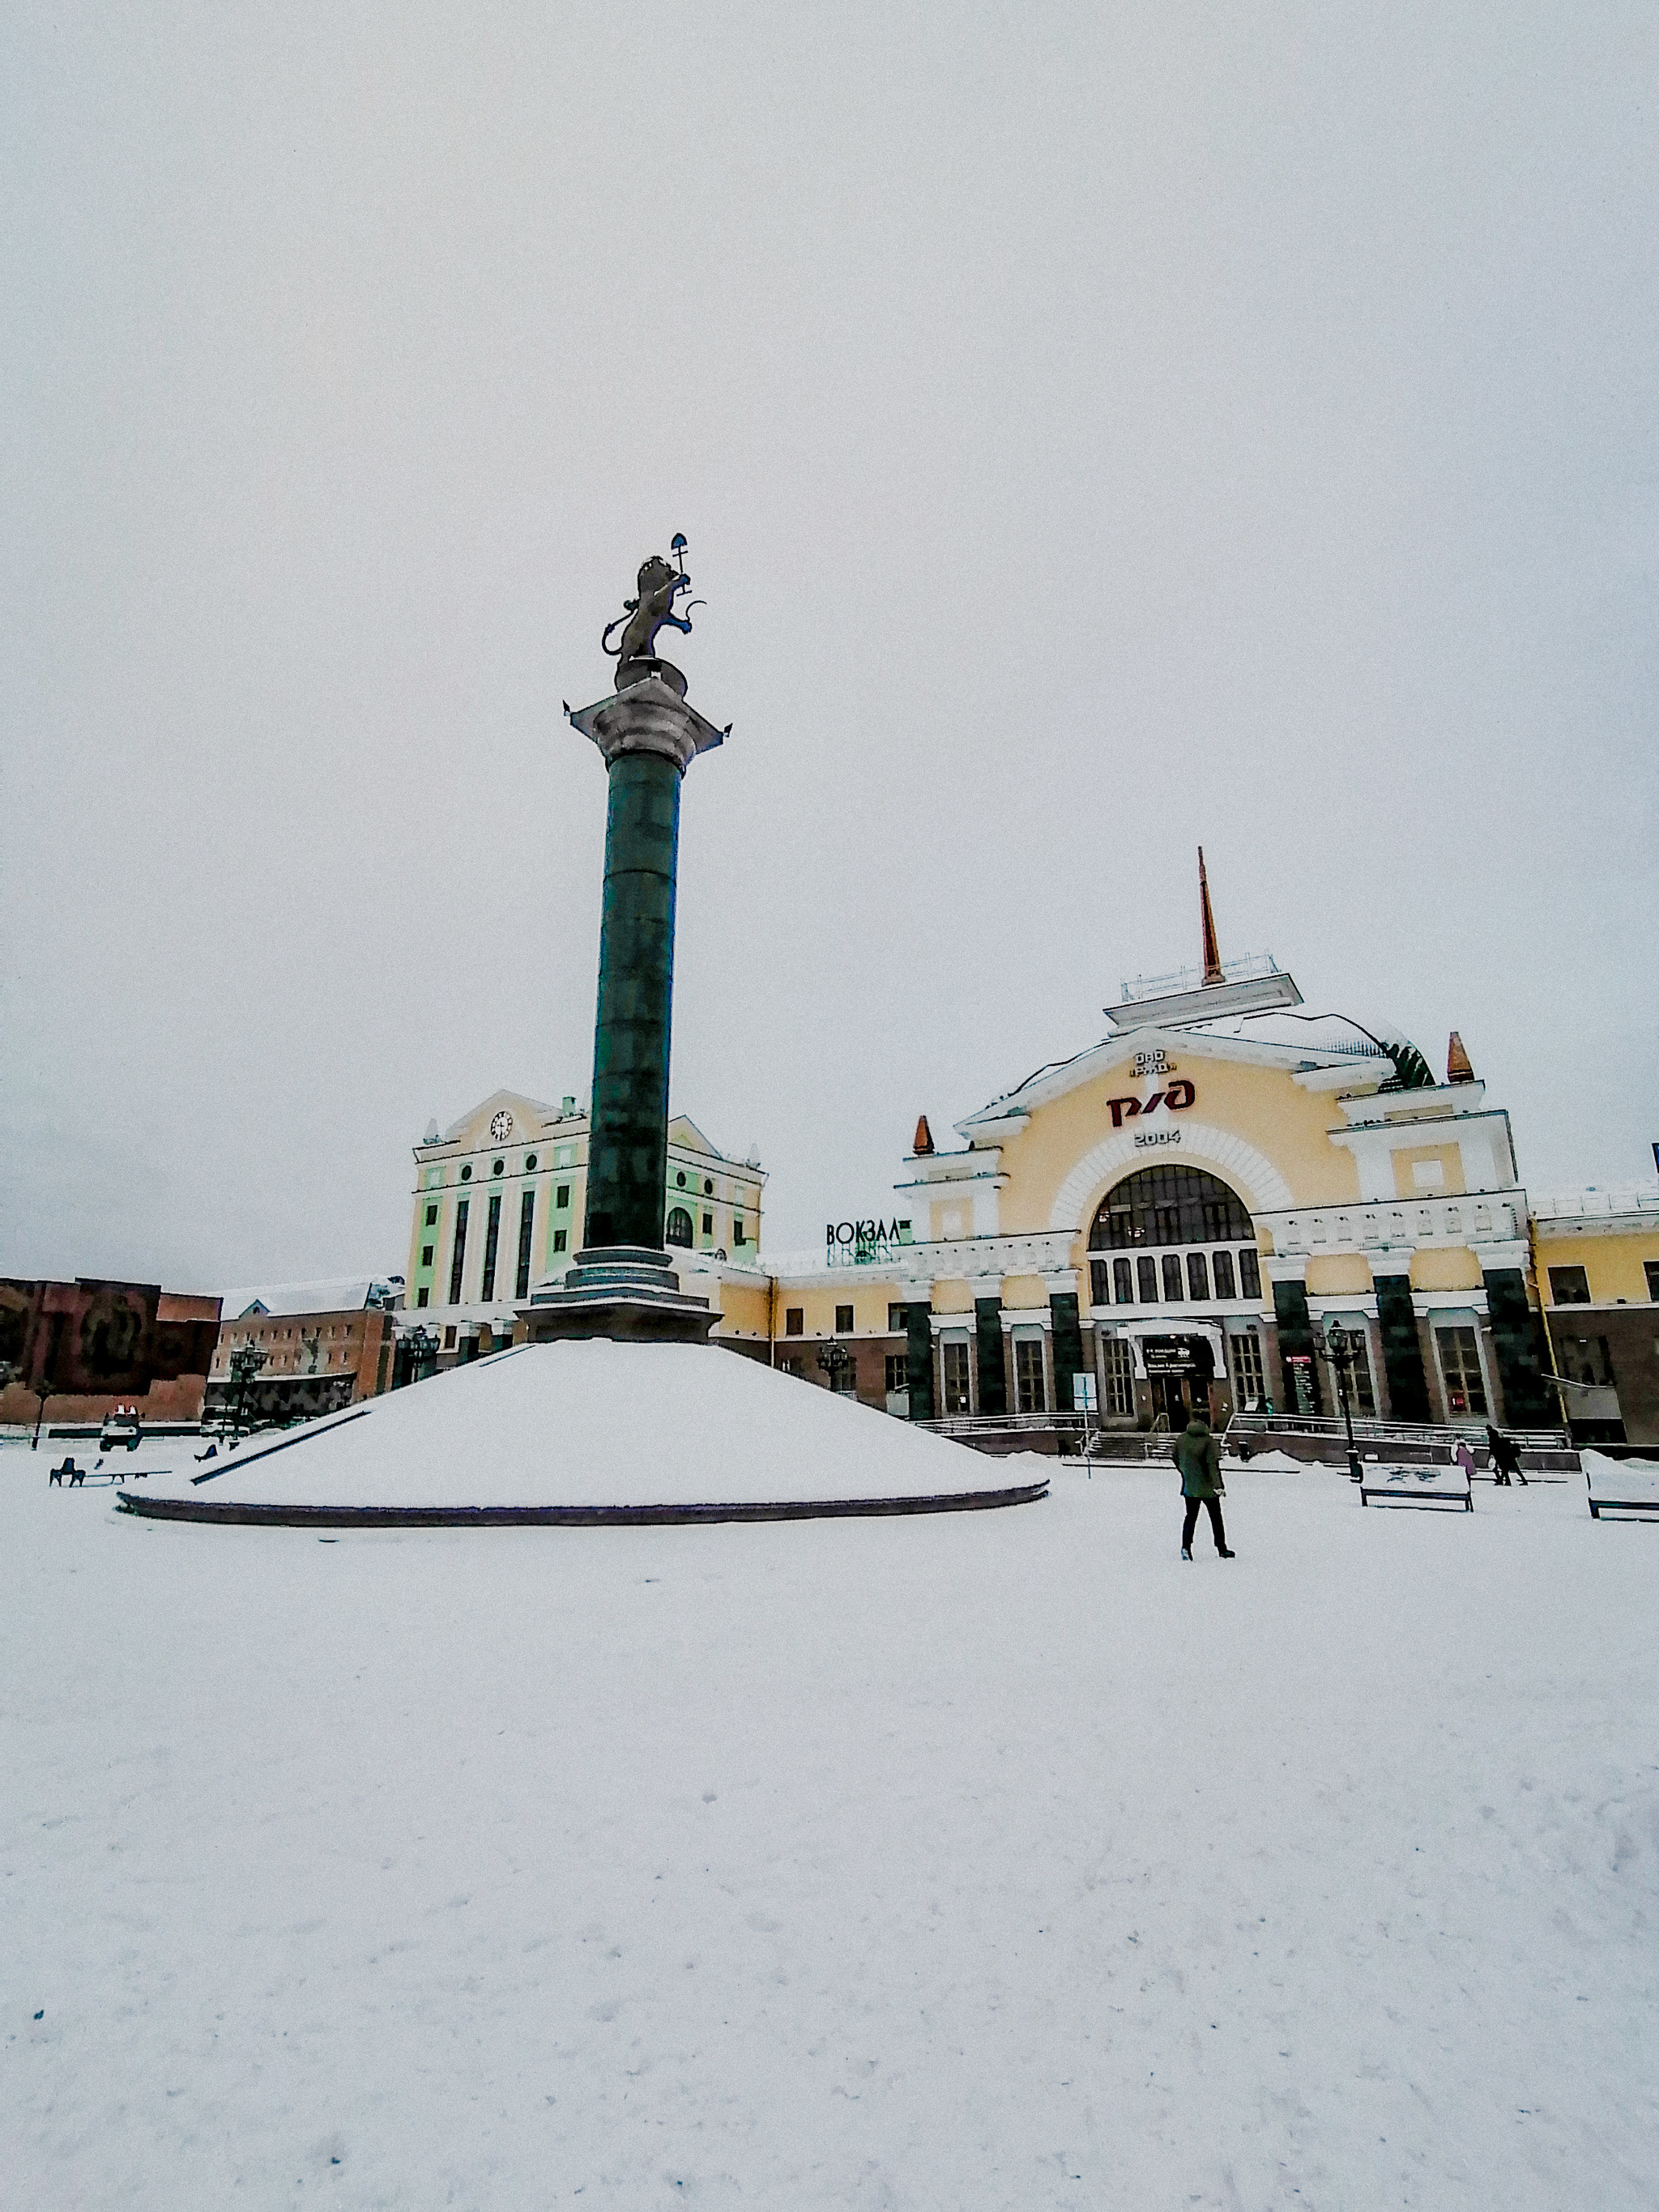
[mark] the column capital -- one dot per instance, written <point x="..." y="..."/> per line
<point x="649" y="716"/>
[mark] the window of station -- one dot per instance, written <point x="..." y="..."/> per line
<point x="1119" y="1398"/>
<point x="1249" y="1376"/>
<point x="1587" y="1359"/>
<point x="843" y="1321"/>
<point x="794" y="1321"/>
<point x="1028" y="1375"/>
<point x="492" y="1244"/>
<point x="1569" y="1286"/>
<point x="1362" y="1396"/>
<point x="899" y="1373"/>
<point x="457" y="1257"/>
<point x="1173" y="1207"/>
<point x="896" y="1321"/>
<point x="953" y="1361"/>
<point x="1169" y="1205"/>
<point x="677" y="1231"/>
<point x="1459" y="1370"/>
<point x="1651" y="1269"/>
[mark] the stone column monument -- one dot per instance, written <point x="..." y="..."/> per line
<point x="622" y="1284"/>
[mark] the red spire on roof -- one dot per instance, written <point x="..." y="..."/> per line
<point x="924" y="1142"/>
<point x="1212" y="951"/>
<point x="1458" y="1069"/>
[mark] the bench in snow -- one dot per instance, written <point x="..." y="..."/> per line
<point x="1623" y="1489"/>
<point x="1435" y="1486"/>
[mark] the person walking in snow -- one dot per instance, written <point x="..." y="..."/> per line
<point x="1198" y="1456"/>
<point x="1505" y="1459"/>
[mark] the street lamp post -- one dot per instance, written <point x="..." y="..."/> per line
<point x="419" y="1350"/>
<point x="43" y="1390"/>
<point x="1341" y="1353"/>
<point x="835" y="1359"/>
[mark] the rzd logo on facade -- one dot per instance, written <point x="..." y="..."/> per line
<point x="1175" y="1098"/>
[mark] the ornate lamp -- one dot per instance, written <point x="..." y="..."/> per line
<point x="1334" y="1343"/>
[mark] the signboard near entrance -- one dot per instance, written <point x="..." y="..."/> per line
<point x="1299" y="1368"/>
<point x="1169" y="1356"/>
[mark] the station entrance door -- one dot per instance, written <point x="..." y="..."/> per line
<point x="1179" y="1372"/>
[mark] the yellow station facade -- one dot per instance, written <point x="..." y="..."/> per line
<point x="1185" y="1215"/>
<point x="1179" y="1216"/>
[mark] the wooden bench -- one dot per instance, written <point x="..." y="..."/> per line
<point x="1435" y="1487"/>
<point x="1623" y="1489"/>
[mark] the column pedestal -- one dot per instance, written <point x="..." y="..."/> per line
<point x="622" y="1290"/>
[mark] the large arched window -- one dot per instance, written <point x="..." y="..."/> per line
<point x="679" y="1231"/>
<point x="1169" y="1205"/>
<point x="1198" y="1230"/>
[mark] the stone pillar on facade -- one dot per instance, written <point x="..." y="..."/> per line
<point x="621" y="1284"/>
<point x="1402" y="1349"/>
<point x="1068" y="1335"/>
<point x="988" y="1348"/>
<point x="918" y="1358"/>
<point x="1517" y="1341"/>
<point x="1295" y="1327"/>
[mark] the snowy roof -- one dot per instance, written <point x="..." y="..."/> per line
<point x="336" y="1294"/>
<point x="1299" y="1042"/>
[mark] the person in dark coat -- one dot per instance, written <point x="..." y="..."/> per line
<point x="1506" y="1457"/>
<point x="1198" y="1456"/>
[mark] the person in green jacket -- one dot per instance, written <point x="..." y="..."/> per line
<point x="1198" y="1455"/>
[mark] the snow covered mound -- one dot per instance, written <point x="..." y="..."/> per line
<point x="1608" y="1473"/>
<point x="595" y="1424"/>
<point x="1631" y="1484"/>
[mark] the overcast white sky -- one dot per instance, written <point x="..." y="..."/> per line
<point x="1099" y="430"/>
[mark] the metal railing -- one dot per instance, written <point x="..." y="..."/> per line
<point x="1084" y="1435"/>
<point x="1366" y="1430"/>
<point x="1249" y="969"/>
<point x="977" y="1425"/>
<point x="1080" y="1436"/>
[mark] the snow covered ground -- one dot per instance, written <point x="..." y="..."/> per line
<point x="986" y="1861"/>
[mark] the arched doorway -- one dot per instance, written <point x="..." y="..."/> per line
<point x="1170" y="1243"/>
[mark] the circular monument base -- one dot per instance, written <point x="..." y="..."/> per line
<point x="589" y="1433"/>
